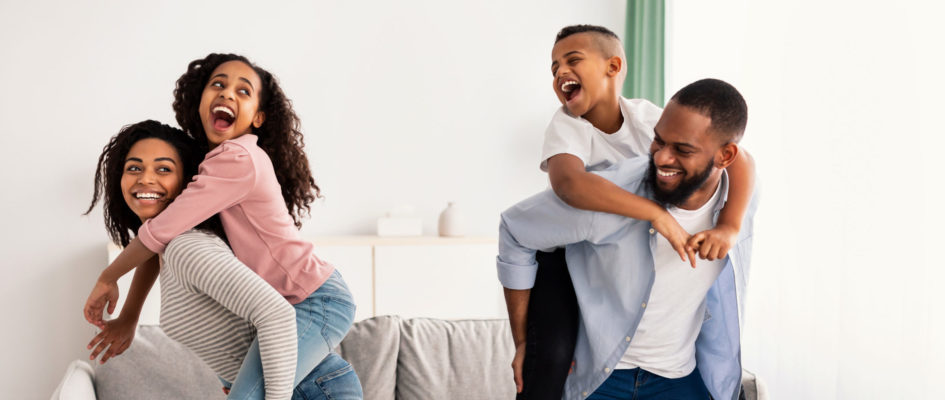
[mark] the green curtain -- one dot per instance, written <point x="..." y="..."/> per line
<point x="644" y="44"/>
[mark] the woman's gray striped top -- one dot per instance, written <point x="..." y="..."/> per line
<point x="211" y="303"/>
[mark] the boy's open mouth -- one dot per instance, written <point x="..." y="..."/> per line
<point x="570" y="89"/>
<point x="223" y="117"/>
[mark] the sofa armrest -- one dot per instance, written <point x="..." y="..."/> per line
<point x="77" y="383"/>
<point x="753" y="388"/>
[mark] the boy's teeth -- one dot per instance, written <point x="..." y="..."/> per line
<point x="568" y="86"/>
<point x="224" y="109"/>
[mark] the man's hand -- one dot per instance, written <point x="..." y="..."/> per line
<point x="517" y="363"/>
<point x="713" y="244"/>
<point x="116" y="336"/>
<point x="103" y="294"/>
<point x="667" y="226"/>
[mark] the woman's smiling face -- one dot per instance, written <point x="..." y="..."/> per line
<point x="152" y="177"/>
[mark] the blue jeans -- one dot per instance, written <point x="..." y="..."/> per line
<point x="637" y="384"/>
<point x="321" y="320"/>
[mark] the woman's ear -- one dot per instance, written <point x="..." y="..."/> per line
<point x="259" y="119"/>
<point x="726" y="155"/>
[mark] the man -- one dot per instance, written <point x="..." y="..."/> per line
<point x="651" y="325"/>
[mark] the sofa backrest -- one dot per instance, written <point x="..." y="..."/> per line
<point x="394" y="358"/>
<point x="467" y="359"/>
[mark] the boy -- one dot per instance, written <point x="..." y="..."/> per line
<point x="594" y="129"/>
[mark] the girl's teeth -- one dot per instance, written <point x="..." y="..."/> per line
<point x="224" y="109"/>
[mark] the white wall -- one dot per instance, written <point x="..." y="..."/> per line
<point x="844" y="102"/>
<point x="411" y="102"/>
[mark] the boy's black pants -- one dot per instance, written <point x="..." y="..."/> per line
<point x="551" y="329"/>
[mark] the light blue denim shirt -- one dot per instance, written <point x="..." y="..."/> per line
<point x="610" y="259"/>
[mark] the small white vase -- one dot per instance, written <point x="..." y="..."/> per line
<point x="452" y="223"/>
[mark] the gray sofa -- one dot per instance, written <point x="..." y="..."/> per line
<point x="395" y="359"/>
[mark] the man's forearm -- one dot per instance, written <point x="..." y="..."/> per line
<point x="516" y="301"/>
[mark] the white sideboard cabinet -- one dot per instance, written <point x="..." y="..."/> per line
<point x="436" y="277"/>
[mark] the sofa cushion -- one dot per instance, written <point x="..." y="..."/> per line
<point x="469" y="359"/>
<point x="371" y="347"/>
<point x="156" y="367"/>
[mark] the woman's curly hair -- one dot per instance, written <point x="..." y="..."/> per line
<point x="279" y="136"/>
<point x="120" y="221"/>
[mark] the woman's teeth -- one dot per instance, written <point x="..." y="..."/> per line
<point x="147" y="196"/>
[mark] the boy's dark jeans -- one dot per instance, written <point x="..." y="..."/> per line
<point x="551" y="329"/>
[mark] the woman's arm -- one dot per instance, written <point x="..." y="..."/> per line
<point x="117" y="334"/>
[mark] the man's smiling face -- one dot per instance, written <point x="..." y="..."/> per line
<point x="682" y="155"/>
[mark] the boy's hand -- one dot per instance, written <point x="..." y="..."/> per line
<point x="116" y="335"/>
<point x="517" y="363"/>
<point x="713" y="244"/>
<point x="103" y="294"/>
<point x="667" y="226"/>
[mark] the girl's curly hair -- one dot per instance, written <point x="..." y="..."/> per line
<point x="120" y="221"/>
<point x="279" y="136"/>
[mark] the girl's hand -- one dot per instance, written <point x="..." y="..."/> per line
<point x="116" y="335"/>
<point x="103" y="294"/>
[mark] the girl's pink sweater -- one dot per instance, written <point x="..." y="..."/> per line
<point x="237" y="180"/>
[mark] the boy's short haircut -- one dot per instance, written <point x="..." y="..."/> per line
<point x="719" y="101"/>
<point x="607" y="41"/>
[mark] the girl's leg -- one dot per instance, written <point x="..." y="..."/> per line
<point x="551" y="330"/>
<point x="322" y="320"/>
<point x="332" y="379"/>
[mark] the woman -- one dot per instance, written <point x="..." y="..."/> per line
<point x="210" y="301"/>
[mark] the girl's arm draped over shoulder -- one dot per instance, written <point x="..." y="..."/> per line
<point x="225" y="178"/>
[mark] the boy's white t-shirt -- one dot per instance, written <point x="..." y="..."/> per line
<point x="599" y="150"/>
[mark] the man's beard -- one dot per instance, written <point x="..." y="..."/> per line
<point x="682" y="192"/>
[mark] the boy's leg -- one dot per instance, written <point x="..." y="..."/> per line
<point x="551" y="329"/>
<point x="321" y="320"/>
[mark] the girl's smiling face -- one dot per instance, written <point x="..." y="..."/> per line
<point x="152" y="177"/>
<point x="229" y="105"/>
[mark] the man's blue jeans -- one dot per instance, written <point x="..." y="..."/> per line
<point x="322" y="320"/>
<point x="637" y="384"/>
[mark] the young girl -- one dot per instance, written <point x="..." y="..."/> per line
<point x="256" y="177"/>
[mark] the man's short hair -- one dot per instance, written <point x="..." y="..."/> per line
<point x="719" y="101"/>
<point x="607" y="41"/>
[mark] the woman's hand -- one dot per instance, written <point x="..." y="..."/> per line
<point x="103" y="294"/>
<point x="116" y="336"/>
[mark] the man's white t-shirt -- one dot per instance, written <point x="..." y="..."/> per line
<point x="665" y="341"/>
<point x="599" y="150"/>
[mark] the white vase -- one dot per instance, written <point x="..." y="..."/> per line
<point x="452" y="223"/>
